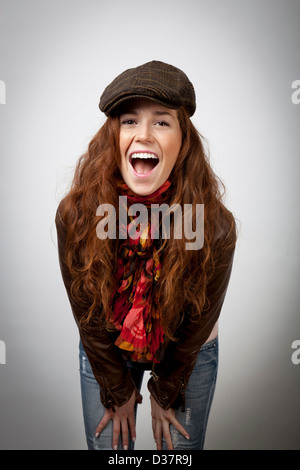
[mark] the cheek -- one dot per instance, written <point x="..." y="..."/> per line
<point x="123" y="149"/>
<point x="124" y="141"/>
<point x="121" y="144"/>
<point x="174" y="150"/>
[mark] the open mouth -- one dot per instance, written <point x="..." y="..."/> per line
<point x="143" y="162"/>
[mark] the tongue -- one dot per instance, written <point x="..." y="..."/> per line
<point x="143" y="165"/>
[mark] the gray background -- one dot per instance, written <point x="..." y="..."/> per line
<point x="56" y="57"/>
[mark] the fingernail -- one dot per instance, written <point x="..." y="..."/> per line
<point x="116" y="447"/>
<point x="133" y="439"/>
<point x="187" y="437"/>
<point x="97" y="435"/>
<point x="125" y="447"/>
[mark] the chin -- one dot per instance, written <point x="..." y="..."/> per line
<point x="142" y="186"/>
<point x="143" y="189"/>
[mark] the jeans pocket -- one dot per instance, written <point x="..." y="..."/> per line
<point x="210" y="345"/>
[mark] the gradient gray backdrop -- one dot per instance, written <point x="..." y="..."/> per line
<point x="242" y="56"/>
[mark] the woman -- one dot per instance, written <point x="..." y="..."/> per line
<point x="143" y="300"/>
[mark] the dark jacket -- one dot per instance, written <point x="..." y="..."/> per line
<point x="169" y="378"/>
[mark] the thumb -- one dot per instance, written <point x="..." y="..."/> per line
<point x="138" y="397"/>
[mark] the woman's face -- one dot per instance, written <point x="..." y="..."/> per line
<point x="150" y="140"/>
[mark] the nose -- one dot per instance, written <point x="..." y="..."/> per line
<point x="144" y="133"/>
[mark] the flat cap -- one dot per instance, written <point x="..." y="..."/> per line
<point x="155" y="80"/>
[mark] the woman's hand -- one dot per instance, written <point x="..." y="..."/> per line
<point x="123" y="418"/>
<point x="161" y="420"/>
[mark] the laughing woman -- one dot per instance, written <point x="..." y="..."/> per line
<point x="143" y="302"/>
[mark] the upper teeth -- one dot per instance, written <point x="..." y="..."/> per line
<point x="144" y="155"/>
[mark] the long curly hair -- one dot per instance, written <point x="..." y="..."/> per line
<point x="185" y="273"/>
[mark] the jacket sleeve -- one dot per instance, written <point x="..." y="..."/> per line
<point x="170" y="377"/>
<point x="109" y="368"/>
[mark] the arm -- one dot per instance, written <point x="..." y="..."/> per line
<point x="109" y="368"/>
<point x="170" y="378"/>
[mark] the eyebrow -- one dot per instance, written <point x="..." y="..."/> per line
<point x="155" y="113"/>
<point x="161" y="113"/>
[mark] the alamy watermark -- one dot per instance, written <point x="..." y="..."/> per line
<point x="296" y="354"/>
<point x="296" y="94"/>
<point x="2" y="352"/>
<point x="2" y="101"/>
<point x="183" y="222"/>
<point x="2" y="92"/>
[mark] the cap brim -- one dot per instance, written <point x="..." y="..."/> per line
<point x="114" y="106"/>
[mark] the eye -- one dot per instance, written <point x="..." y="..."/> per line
<point x="128" y="122"/>
<point x="163" y="123"/>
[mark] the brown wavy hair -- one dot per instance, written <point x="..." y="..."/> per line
<point x="185" y="273"/>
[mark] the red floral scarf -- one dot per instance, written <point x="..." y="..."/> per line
<point x="134" y="310"/>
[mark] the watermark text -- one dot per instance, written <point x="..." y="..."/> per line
<point x="2" y="92"/>
<point x="296" y="94"/>
<point x="296" y="354"/>
<point x="2" y="352"/>
<point x="138" y="228"/>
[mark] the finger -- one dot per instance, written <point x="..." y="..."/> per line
<point x="167" y="435"/>
<point x="180" y="428"/>
<point x="153" y="427"/>
<point x="104" y="421"/>
<point x="116" y="432"/>
<point x="124" y="428"/>
<point x="131" y="423"/>
<point x="158" y="435"/>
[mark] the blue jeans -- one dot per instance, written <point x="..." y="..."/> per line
<point x="198" y="399"/>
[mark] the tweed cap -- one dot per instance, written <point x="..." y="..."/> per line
<point x="157" y="81"/>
